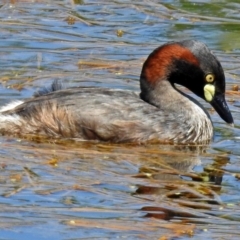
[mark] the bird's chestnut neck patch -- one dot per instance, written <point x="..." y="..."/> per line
<point x="160" y="61"/>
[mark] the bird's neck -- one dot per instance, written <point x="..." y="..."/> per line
<point x="169" y="99"/>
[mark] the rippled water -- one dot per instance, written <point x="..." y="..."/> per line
<point x="67" y="190"/>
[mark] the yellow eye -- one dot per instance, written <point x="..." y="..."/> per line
<point x="209" y="78"/>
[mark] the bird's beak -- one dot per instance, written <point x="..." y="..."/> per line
<point x="219" y="104"/>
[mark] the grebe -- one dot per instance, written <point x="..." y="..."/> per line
<point x="161" y="113"/>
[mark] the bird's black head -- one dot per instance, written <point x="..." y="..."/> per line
<point x="191" y="64"/>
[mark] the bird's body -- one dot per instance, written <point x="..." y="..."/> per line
<point x="160" y="113"/>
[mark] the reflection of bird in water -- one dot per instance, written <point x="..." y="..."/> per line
<point x="170" y="161"/>
<point x="174" y="188"/>
<point x="161" y="113"/>
<point x="176" y="162"/>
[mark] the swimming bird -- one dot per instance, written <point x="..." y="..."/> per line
<point x="160" y="113"/>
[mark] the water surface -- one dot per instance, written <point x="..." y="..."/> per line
<point x="67" y="190"/>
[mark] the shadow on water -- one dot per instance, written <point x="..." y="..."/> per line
<point x="59" y="189"/>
